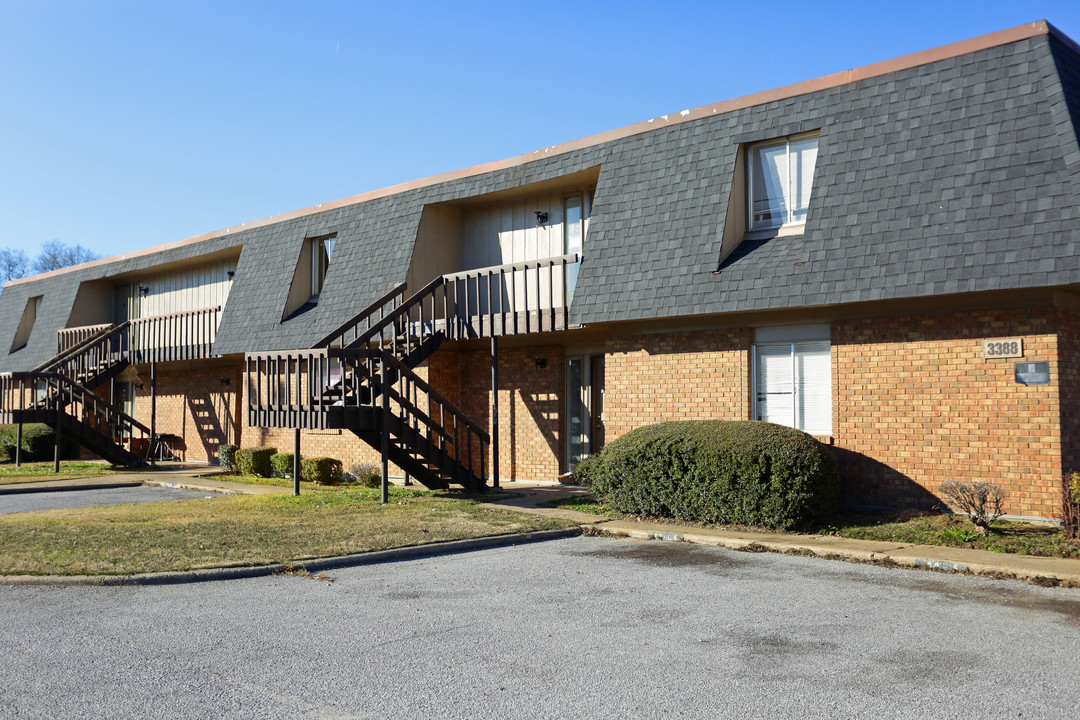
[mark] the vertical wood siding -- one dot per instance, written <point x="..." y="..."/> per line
<point x="192" y="288"/>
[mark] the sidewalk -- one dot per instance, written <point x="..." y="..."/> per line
<point x="1037" y="570"/>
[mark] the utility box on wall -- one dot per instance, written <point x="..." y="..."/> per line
<point x="1032" y="373"/>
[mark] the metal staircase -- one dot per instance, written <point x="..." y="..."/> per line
<point x="361" y="376"/>
<point x="59" y="393"/>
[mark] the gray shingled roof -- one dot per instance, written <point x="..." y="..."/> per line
<point x="958" y="176"/>
<point x="955" y="176"/>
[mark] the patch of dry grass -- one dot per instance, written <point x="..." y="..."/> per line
<point x="928" y="528"/>
<point x="242" y="530"/>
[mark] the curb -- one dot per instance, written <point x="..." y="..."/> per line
<point x="316" y="565"/>
<point x="22" y="489"/>
<point x="199" y="488"/>
<point x="906" y="556"/>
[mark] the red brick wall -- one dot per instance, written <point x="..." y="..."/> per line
<point x="916" y="404"/>
<point x="697" y="375"/>
<point x="530" y="404"/>
<point x="193" y="404"/>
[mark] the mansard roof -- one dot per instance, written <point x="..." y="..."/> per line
<point x="953" y="170"/>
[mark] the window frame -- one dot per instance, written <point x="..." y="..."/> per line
<point x="797" y="384"/>
<point x="786" y="141"/>
<point x="318" y="273"/>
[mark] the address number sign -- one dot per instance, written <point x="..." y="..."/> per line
<point x="1004" y="348"/>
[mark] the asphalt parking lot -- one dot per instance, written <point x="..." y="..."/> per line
<point x="578" y="628"/>
<point x="89" y="498"/>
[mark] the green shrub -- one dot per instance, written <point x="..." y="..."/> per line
<point x="585" y="469"/>
<point x="226" y="455"/>
<point x="746" y="473"/>
<point x="321" y="470"/>
<point x="367" y="474"/>
<point x="37" y="442"/>
<point x="255" y="461"/>
<point x="282" y="463"/>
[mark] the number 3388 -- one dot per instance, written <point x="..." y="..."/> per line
<point x="1010" y="347"/>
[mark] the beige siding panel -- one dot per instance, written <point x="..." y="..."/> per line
<point x="188" y="289"/>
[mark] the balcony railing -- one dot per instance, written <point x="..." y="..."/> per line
<point x="188" y="335"/>
<point x="70" y="337"/>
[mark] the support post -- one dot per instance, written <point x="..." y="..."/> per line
<point x="153" y="413"/>
<point x="495" y="411"/>
<point x="385" y="439"/>
<point x="296" y="463"/>
<point x="18" y="446"/>
<point x="56" y="438"/>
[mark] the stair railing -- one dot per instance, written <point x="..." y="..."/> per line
<point x="428" y="415"/>
<point x="25" y="394"/>
<point x="305" y="389"/>
<point x="348" y="331"/>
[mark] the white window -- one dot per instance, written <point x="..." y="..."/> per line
<point x="572" y="240"/>
<point x="780" y="178"/>
<point x="321" y="250"/>
<point x="793" y="380"/>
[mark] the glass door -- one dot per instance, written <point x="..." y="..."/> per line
<point x="584" y="407"/>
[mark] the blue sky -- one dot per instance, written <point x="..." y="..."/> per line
<point x="129" y="124"/>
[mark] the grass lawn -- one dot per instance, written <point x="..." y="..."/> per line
<point x="957" y="531"/>
<point x="242" y="530"/>
<point x="908" y="527"/>
<point x="43" y="471"/>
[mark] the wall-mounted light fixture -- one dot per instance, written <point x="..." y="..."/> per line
<point x="143" y="291"/>
<point x="541" y="218"/>
<point x="541" y="363"/>
<point x="225" y="381"/>
<point x="231" y="274"/>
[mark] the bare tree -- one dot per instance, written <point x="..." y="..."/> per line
<point x="13" y="264"/>
<point x="56" y="254"/>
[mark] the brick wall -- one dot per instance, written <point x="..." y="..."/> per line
<point x="194" y="405"/>
<point x="698" y="375"/>
<point x="530" y="404"/>
<point x="916" y="404"/>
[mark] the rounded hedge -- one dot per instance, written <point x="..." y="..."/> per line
<point x="745" y="473"/>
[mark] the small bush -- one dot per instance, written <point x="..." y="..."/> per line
<point x="1070" y="504"/>
<point x="37" y="441"/>
<point x="747" y="473"/>
<point x="255" y="461"/>
<point x="982" y="501"/>
<point x="367" y="474"/>
<point x="226" y="455"/>
<point x="321" y="470"/>
<point x="282" y="463"/>
<point x="585" y="469"/>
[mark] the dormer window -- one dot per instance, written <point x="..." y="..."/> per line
<point x="780" y="175"/>
<point x="321" y="250"/>
<point x="310" y="274"/>
<point x="26" y="323"/>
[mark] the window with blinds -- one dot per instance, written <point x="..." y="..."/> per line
<point x="793" y="385"/>
<point x="781" y="177"/>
